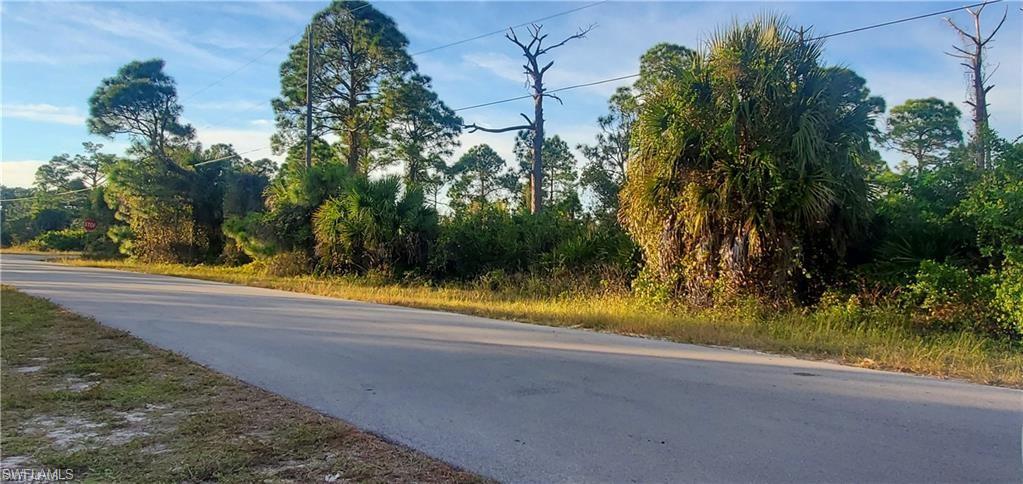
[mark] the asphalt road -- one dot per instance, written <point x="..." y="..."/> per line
<point x="525" y="403"/>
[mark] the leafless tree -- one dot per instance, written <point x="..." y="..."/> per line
<point x="532" y="51"/>
<point x="972" y="54"/>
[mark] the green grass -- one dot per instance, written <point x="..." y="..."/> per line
<point x="77" y="395"/>
<point x="25" y="249"/>
<point x="869" y="337"/>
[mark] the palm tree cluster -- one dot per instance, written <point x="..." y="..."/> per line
<point x="749" y="166"/>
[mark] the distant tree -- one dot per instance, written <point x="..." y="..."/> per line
<point x="660" y="62"/>
<point x="55" y="175"/>
<point x="925" y="129"/>
<point x="142" y="102"/>
<point x="559" y="171"/>
<point x="605" y="171"/>
<point x="533" y="50"/>
<point x="480" y="177"/>
<point x="421" y="131"/>
<point x="16" y="215"/>
<point x="91" y="166"/>
<point x="357" y="54"/>
<point x="86" y="170"/>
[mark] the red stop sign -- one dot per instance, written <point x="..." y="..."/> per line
<point x="89" y="224"/>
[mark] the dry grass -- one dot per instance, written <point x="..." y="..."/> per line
<point x="867" y="337"/>
<point x="108" y="407"/>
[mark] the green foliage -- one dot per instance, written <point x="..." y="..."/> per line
<point x="16" y="216"/>
<point x="372" y="225"/>
<point x="360" y="54"/>
<point x="749" y="174"/>
<point x="662" y="63"/>
<point x="915" y="219"/>
<point x="59" y="240"/>
<point x="1008" y="298"/>
<point x="926" y="129"/>
<point x="291" y="199"/>
<point x="422" y="131"/>
<point x="559" y="172"/>
<point x="481" y="177"/>
<point x="251" y="234"/>
<point x="994" y="205"/>
<point x="97" y="244"/>
<point x="945" y="296"/>
<point x="142" y="102"/>
<point x="489" y="238"/>
<point x="49" y="219"/>
<point x="605" y="172"/>
<point x="244" y="186"/>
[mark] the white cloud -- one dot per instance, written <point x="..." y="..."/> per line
<point x="261" y="122"/>
<point x="118" y="23"/>
<point x="502" y="65"/>
<point x="45" y="113"/>
<point x="19" y="173"/>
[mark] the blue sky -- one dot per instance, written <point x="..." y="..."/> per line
<point x="55" y="54"/>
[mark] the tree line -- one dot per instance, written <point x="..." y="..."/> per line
<point x="746" y="169"/>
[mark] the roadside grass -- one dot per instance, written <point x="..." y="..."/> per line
<point x="25" y="249"/>
<point x="871" y="337"/>
<point x="107" y="406"/>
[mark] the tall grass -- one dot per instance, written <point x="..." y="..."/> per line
<point x="872" y="337"/>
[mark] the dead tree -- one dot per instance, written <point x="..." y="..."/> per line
<point x="972" y="54"/>
<point x="532" y="51"/>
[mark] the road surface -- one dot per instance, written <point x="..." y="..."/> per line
<point x="525" y="403"/>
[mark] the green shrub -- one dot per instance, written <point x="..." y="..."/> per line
<point x="1008" y="298"/>
<point x="251" y="234"/>
<point x="60" y="240"/>
<point x="480" y="240"/>
<point x="945" y="296"/>
<point x="374" y="225"/>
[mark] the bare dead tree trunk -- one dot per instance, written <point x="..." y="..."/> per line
<point x="532" y="51"/>
<point x="972" y="54"/>
<point x="536" y="170"/>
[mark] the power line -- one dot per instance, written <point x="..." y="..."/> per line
<point x="69" y="192"/>
<point x="836" y="34"/>
<point x="53" y="194"/>
<point x="234" y="155"/>
<point x="254" y="59"/>
<point x="561" y="89"/>
<point x="903" y="20"/>
<point x="505" y="29"/>
<point x="551" y="91"/>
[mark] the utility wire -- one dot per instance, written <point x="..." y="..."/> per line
<point x="505" y="29"/>
<point x="903" y="20"/>
<point x="550" y="91"/>
<point x="431" y="49"/>
<point x="575" y="86"/>
<point x="254" y="59"/>
<point x="235" y="155"/>
<point x="53" y="194"/>
<point x="836" y="34"/>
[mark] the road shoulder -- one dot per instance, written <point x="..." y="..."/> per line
<point x="98" y="403"/>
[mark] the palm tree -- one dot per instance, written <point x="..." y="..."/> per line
<point x="373" y="225"/>
<point x="748" y="171"/>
